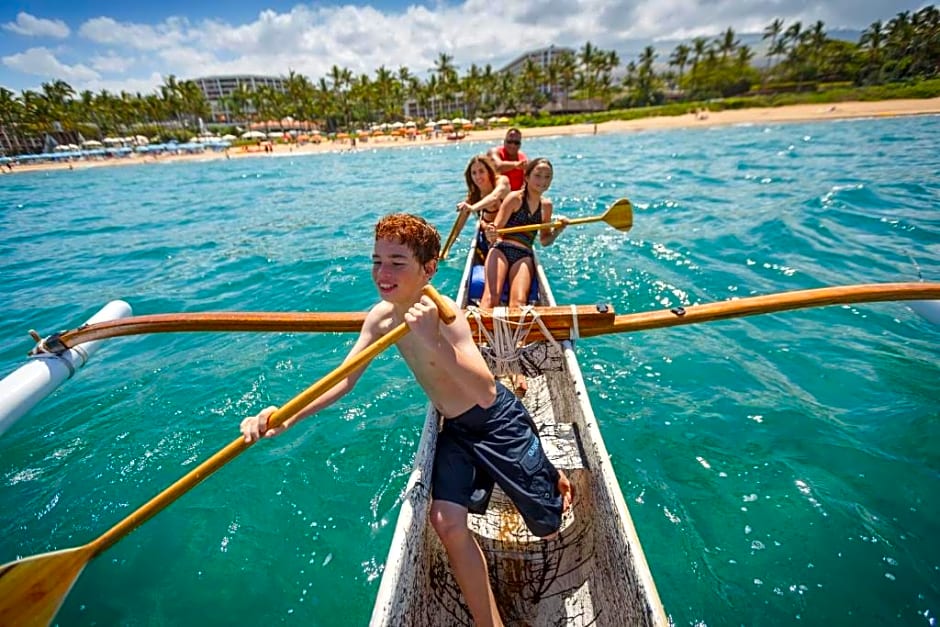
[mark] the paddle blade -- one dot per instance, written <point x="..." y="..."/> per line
<point x="32" y="589"/>
<point x="620" y="215"/>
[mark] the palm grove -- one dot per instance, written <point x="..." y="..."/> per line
<point x="905" y="48"/>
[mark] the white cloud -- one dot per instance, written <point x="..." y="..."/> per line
<point x="104" y="30"/>
<point x="32" y="26"/>
<point x="112" y="63"/>
<point x="42" y="62"/>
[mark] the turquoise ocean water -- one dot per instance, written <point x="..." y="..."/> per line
<point x="780" y="469"/>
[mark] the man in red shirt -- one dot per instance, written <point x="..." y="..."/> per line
<point x="509" y="160"/>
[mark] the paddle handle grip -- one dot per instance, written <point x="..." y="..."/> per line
<point x="444" y="311"/>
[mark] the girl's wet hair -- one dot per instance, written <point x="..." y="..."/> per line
<point x="412" y="231"/>
<point x="473" y="192"/>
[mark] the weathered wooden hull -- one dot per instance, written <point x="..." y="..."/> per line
<point x="595" y="573"/>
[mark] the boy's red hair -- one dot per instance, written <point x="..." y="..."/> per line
<point x="412" y="231"/>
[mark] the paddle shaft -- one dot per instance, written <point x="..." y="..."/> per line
<point x="544" y="225"/>
<point x="619" y="215"/>
<point x="455" y="230"/>
<point x="283" y="413"/>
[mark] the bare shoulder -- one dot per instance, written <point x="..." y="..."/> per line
<point x="514" y="198"/>
<point x="379" y="319"/>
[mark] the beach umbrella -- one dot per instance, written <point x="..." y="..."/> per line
<point x="492" y="120"/>
<point x="398" y="125"/>
<point x="410" y="124"/>
<point x="479" y="121"/>
<point x="253" y="135"/>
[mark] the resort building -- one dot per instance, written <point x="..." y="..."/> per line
<point x="542" y="58"/>
<point x="218" y="89"/>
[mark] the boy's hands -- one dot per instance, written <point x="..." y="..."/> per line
<point x="255" y="427"/>
<point x="423" y="320"/>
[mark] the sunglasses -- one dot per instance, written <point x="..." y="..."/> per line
<point x="517" y="142"/>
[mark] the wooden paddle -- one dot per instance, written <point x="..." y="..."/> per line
<point x="454" y="232"/>
<point x="619" y="215"/>
<point x="33" y="588"/>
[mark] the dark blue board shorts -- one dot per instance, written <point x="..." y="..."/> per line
<point x="498" y="444"/>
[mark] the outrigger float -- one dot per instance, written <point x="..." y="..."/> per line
<point x="595" y="573"/>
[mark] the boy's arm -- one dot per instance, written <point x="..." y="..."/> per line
<point x="254" y="427"/>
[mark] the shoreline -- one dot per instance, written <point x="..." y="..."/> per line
<point x="764" y="115"/>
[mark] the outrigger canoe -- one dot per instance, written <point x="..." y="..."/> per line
<point x="594" y="573"/>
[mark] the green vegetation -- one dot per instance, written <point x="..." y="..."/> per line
<point x="897" y="59"/>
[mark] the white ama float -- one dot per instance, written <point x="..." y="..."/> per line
<point x="45" y="371"/>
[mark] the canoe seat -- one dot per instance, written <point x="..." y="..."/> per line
<point x="475" y="291"/>
<point x="562" y="445"/>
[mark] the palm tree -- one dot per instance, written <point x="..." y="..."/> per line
<point x="564" y="69"/>
<point x="680" y="58"/>
<point x="727" y="43"/>
<point x="772" y="32"/>
<point x="446" y="74"/>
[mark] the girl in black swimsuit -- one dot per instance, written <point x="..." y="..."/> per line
<point x="510" y="259"/>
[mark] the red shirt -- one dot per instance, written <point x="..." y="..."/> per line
<point x="516" y="176"/>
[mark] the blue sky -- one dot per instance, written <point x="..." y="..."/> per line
<point x="133" y="45"/>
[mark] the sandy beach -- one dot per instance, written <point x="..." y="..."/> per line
<point x="792" y="113"/>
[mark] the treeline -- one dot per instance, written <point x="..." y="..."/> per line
<point x="905" y="48"/>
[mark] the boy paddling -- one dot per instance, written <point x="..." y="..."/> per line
<point x="487" y="435"/>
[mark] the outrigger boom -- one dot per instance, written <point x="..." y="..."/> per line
<point x="564" y="322"/>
